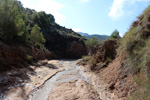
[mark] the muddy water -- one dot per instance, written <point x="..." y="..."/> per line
<point x="71" y="72"/>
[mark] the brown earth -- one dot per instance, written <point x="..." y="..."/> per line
<point x="110" y="74"/>
<point x="119" y="82"/>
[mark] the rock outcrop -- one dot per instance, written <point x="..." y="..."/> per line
<point x="64" y="43"/>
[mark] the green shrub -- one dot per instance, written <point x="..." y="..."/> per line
<point x="12" y="21"/>
<point x="90" y="43"/>
<point x="36" y="36"/>
<point x="115" y="34"/>
<point x="86" y="58"/>
<point x="93" y="63"/>
<point x="29" y="58"/>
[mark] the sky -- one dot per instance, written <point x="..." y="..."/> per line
<point x="92" y="16"/>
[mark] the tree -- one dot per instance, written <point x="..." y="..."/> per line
<point x="37" y="36"/>
<point x="115" y="34"/>
<point x="42" y="19"/>
<point x="90" y="43"/>
<point x="12" y="21"/>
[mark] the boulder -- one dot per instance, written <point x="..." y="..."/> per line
<point x="107" y="51"/>
<point x="76" y="50"/>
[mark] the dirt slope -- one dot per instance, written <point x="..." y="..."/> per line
<point x="112" y="82"/>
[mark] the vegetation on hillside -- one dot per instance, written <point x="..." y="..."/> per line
<point x="101" y="53"/>
<point x="31" y="32"/>
<point x="13" y="21"/>
<point x="14" y="26"/>
<point x="136" y="47"/>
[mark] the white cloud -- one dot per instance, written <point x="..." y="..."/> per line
<point x="49" y="6"/>
<point x="77" y="29"/>
<point x="117" y="10"/>
<point x="84" y="0"/>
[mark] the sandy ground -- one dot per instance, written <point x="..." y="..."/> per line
<point x="73" y="86"/>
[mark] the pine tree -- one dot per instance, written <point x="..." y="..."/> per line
<point x="37" y="36"/>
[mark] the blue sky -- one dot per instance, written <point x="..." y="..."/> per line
<point x="92" y="16"/>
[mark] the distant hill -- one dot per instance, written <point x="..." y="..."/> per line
<point x="84" y="34"/>
<point x="100" y="37"/>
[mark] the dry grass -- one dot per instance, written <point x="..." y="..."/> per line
<point x="136" y="43"/>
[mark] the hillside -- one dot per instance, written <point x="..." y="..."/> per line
<point x="83" y="34"/>
<point x="27" y="36"/>
<point x="135" y="45"/>
<point x="121" y="67"/>
<point x="100" y="37"/>
<point x="62" y="42"/>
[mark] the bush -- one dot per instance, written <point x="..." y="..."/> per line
<point x="90" y="43"/>
<point x="29" y="58"/>
<point x="115" y="34"/>
<point x="37" y="36"/>
<point x="86" y="58"/>
<point x="93" y="63"/>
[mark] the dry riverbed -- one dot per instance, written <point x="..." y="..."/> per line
<point x="48" y="80"/>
